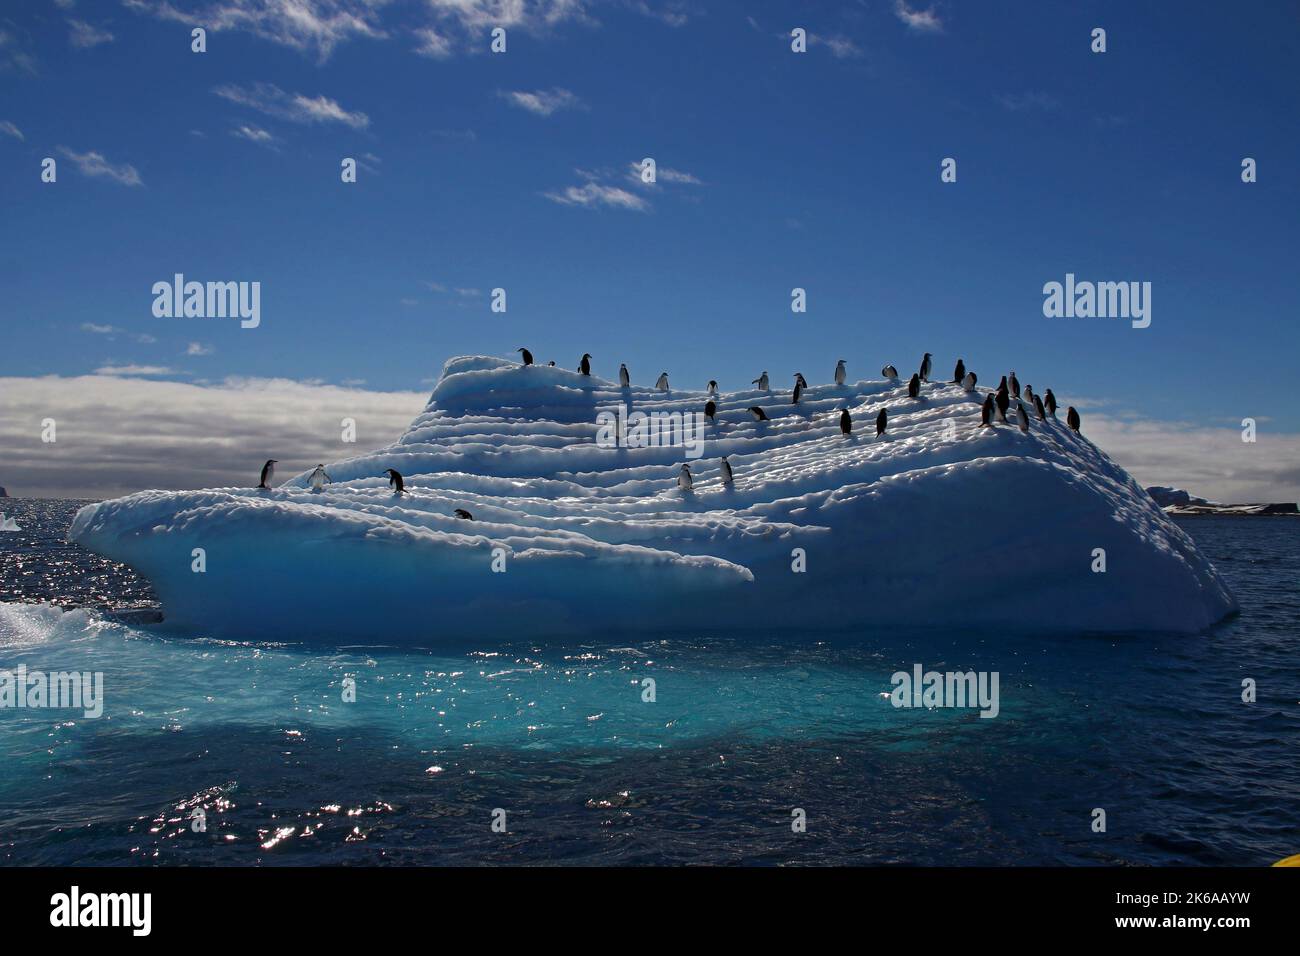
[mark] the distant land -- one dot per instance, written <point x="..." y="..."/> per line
<point x="1175" y="501"/>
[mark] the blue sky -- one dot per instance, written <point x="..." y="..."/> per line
<point x="818" y="170"/>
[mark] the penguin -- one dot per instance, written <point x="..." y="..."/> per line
<point x="798" y="377"/>
<point x="623" y="378"/>
<point x="1050" y="401"/>
<point x="1015" y="385"/>
<point x="713" y="387"/>
<point x="881" y="421"/>
<point x="798" y="391"/>
<point x="268" y="472"/>
<point x="463" y="514"/>
<point x="727" y="477"/>
<point x="395" y="481"/>
<point x="527" y="356"/>
<point x="1003" y="402"/>
<point x="662" y="384"/>
<point x="1072" y="418"/>
<point x="889" y="371"/>
<point x="684" y="480"/>
<point x="969" y="381"/>
<point x="318" y="479"/>
<point x="710" y="409"/>
<point x="1038" y="409"/>
<point x="761" y="382"/>
<point x="1023" y="416"/>
<point x="925" y="367"/>
<point x="914" y="386"/>
<point x="758" y="413"/>
<point x="839" y="373"/>
<point x="846" y="422"/>
<point x="986" y="412"/>
<point x="1029" y="394"/>
<point x="584" y="366"/>
<point x="959" y="372"/>
<point x="1002" y="385"/>
<point x="551" y="363"/>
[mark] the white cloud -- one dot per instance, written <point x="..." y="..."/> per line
<point x="922" y="21"/>
<point x="592" y="195"/>
<point x="85" y="35"/>
<point x="99" y="329"/>
<point x="13" y="56"/>
<point x="9" y="129"/>
<point x="199" y="348"/>
<point x="254" y="134"/>
<point x="841" y="47"/>
<point x="663" y="174"/>
<point x="134" y="370"/>
<point x="305" y="25"/>
<point x="94" y="164"/>
<point x="121" y="434"/>
<point x="433" y="44"/>
<point x="295" y="107"/>
<point x="544" y="102"/>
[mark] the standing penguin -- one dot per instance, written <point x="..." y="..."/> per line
<point x="318" y="479"/>
<point x="584" y="366"/>
<point x="713" y="387"/>
<point x="889" y="371"/>
<point x="968" y="383"/>
<point x="1029" y="394"/>
<point x="881" y="421"/>
<point x="623" y="378"/>
<point x="914" y="386"/>
<point x="798" y="377"/>
<point x="727" y="477"/>
<point x="710" y="409"/>
<point x="1038" y="409"/>
<point x="839" y="372"/>
<point x="1015" y="385"/>
<point x="527" y="356"/>
<point x="1003" y="402"/>
<point x="1002" y="385"/>
<point x="986" y="412"/>
<point x="662" y="383"/>
<point x="925" y="367"/>
<point x="846" y="422"/>
<point x="1023" y="416"/>
<point x="268" y="472"/>
<point x="798" y="392"/>
<point x="395" y="481"/>
<point x="959" y="372"/>
<point x="761" y="382"/>
<point x="1050" y="402"/>
<point x="758" y="413"/>
<point x="1072" y="418"/>
<point x="684" y="479"/>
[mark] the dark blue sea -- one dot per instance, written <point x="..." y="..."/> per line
<point x="743" y="730"/>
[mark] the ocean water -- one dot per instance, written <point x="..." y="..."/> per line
<point x="744" y="729"/>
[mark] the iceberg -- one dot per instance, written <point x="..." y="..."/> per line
<point x="938" y="523"/>
<point x="8" y="524"/>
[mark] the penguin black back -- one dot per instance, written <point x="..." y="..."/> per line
<point x="881" y="421"/>
<point x="1072" y="418"/>
<point x="846" y="422"/>
<point x="914" y="386"/>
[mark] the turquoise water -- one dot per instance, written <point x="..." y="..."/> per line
<point x="743" y="728"/>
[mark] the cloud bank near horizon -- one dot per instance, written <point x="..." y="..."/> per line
<point x="117" y="434"/>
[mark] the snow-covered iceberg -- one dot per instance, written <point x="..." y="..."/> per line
<point x="938" y="523"/>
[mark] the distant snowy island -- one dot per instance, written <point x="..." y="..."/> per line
<point x="1175" y="501"/>
<point x="938" y="522"/>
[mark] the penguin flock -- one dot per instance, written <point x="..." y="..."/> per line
<point x="993" y="411"/>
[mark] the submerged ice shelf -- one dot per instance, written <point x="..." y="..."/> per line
<point x="937" y="523"/>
